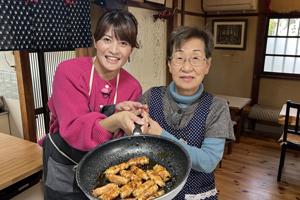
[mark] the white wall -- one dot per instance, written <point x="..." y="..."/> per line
<point x="148" y="64"/>
<point x="12" y="103"/>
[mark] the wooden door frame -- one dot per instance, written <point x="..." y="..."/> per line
<point x="23" y="73"/>
<point x="22" y="67"/>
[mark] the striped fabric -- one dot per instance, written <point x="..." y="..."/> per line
<point x="264" y="113"/>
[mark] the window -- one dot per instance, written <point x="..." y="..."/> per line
<point x="282" y="54"/>
<point x="43" y="64"/>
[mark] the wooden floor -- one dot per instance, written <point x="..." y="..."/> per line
<point x="250" y="172"/>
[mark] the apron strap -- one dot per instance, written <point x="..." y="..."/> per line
<point x="62" y="153"/>
<point x="91" y="81"/>
<point x="92" y="75"/>
<point x="115" y="98"/>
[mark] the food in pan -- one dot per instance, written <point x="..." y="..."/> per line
<point x="143" y="187"/>
<point x="130" y="175"/>
<point x="126" y="182"/>
<point x="119" y="180"/>
<point x="115" y="169"/>
<point x="147" y="193"/>
<point x="127" y="189"/>
<point x="156" y="178"/>
<point x="139" y="172"/>
<point x="111" y="194"/>
<point x="162" y="172"/>
<point x="157" y="194"/>
<point x="101" y="190"/>
<point x="138" y="161"/>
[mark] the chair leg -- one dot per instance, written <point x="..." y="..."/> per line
<point x="251" y="124"/>
<point x="229" y="151"/>
<point x="238" y="130"/>
<point x="281" y="164"/>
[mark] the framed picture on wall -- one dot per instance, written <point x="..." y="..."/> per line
<point x="161" y="2"/>
<point x="230" y="34"/>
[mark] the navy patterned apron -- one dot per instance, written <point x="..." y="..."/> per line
<point x="59" y="176"/>
<point x="193" y="134"/>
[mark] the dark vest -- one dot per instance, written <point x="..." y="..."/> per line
<point x="193" y="134"/>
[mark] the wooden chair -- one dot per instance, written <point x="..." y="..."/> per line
<point x="290" y="138"/>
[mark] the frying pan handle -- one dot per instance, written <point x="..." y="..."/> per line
<point x="137" y="130"/>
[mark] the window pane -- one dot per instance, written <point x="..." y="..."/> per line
<point x="297" y="66"/>
<point x="294" y="27"/>
<point x="270" y="45"/>
<point x="289" y="65"/>
<point x="298" y="47"/>
<point x="278" y="64"/>
<point x="52" y="59"/>
<point x="280" y="45"/>
<point x="35" y="78"/>
<point x="283" y="43"/>
<point x="291" y="46"/>
<point x="269" y="63"/>
<point x="283" y="27"/>
<point x="272" y="27"/>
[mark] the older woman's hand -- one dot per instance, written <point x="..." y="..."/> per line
<point x="145" y="117"/>
<point x="153" y="128"/>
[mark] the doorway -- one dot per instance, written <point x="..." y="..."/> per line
<point x="43" y="64"/>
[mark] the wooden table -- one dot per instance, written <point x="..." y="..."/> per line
<point x="236" y="105"/>
<point x="19" y="159"/>
<point x="292" y="119"/>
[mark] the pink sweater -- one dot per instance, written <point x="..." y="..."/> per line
<point x="70" y="98"/>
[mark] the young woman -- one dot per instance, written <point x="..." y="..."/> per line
<point x="185" y="112"/>
<point x="88" y="97"/>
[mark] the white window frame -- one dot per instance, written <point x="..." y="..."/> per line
<point x="273" y="72"/>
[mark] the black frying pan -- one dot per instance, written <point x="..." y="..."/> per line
<point x="158" y="149"/>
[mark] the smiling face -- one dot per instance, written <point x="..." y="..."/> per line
<point x="186" y="77"/>
<point x="112" y="54"/>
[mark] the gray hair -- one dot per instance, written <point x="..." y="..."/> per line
<point x="183" y="33"/>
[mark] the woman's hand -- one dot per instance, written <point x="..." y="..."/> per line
<point x="145" y="117"/>
<point x="122" y="120"/>
<point x="151" y="127"/>
<point x="135" y="107"/>
<point x="154" y="128"/>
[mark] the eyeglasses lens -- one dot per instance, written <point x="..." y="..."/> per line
<point x="195" y="61"/>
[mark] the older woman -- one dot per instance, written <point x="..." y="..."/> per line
<point x="185" y="112"/>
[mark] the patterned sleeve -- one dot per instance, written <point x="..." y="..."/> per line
<point x="218" y="122"/>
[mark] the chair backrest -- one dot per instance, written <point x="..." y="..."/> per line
<point x="291" y="119"/>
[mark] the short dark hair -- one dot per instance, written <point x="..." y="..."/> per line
<point x="183" y="33"/>
<point x="124" y="26"/>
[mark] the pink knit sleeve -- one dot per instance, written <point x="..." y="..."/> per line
<point x="69" y="105"/>
<point x="69" y="102"/>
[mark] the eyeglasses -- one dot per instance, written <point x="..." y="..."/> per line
<point x="196" y="61"/>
